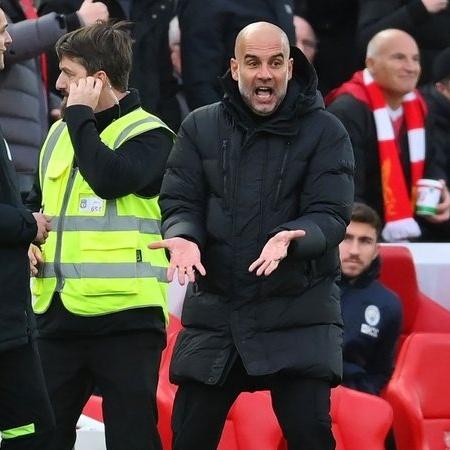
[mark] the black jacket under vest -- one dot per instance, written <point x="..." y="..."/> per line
<point x="18" y="228"/>
<point x="233" y="181"/>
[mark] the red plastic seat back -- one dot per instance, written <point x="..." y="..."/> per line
<point x="419" y="392"/>
<point x="360" y="421"/>
<point x="399" y="274"/>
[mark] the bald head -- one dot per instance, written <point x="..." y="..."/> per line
<point x="260" y="31"/>
<point x="393" y="60"/>
<point x="381" y="42"/>
<point x="262" y="67"/>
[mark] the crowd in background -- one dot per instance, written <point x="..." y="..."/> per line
<point x="182" y="49"/>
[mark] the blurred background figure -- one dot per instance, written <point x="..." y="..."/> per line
<point x="427" y="21"/>
<point x="437" y="96"/>
<point x="176" y="107"/>
<point x="208" y="31"/>
<point x="25" y="103"/>
<point x="334" y="22"/>
<point x="151" y="72"/>
<point x="305" y="38"/>
<point x="379" y="107"/>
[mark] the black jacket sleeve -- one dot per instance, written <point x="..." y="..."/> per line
<point x="183" y="191"/>
<point x="17" y="226"/>
<point x="327" y="194"/>
<point x="136" y="167"/>
<point x="353" y="116"/>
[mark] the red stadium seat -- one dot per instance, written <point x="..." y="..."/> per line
<point x="166" y="390"/>
<point x="360" y="421"/>
<point x="420" y="313"/>
<point x="256" y="426"/>
<point x="419" y="392"/>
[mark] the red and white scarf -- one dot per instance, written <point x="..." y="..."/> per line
<point x="398" y="199"/>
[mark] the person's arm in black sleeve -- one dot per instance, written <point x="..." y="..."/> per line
<point x="182" y="199"/>
<point x="136" y="167"/>
<point x="436" y="156"/>
<point x="33" y="202"/>
<point x="327" y="194"/>
<point x="377" y="15"/>
<point x="203" y="52"/>
<point x="17" y="226"/>
<point x="345" y="108"/>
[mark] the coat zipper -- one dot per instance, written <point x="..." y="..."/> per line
<point x="281" y="173"/>
<point x="224" y="172"/>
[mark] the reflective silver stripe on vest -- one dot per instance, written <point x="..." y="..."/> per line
<point x="112" y="223"/>
<point x="51" y="143"/>
<point x="124" y="133"/>
<point x="106" y="270"/>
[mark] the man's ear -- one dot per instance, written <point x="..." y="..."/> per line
<point x="377" y="251"/>
<point x="234" y="66"/>
<point x="290" y="67"/>
<point x="370" y="64"/>
<point x="439" y="87"/>
<point x="101" y="75"/>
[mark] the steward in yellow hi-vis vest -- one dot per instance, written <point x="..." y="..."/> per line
<point x="96" y="257"/>
<point x="100" y="294"/>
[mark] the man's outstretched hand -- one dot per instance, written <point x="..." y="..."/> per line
<point x="184" y="257"/>
<point x="274" y="251"/>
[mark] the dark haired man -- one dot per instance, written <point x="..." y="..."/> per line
<point x="25" y="410"/>
<point x="100" y="293"/>
<point x="372" y="314"/>
<point x="256" y="197"/>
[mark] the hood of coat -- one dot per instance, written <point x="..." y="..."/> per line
<point x="301" y="98"/>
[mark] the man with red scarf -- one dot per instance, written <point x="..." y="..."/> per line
<point x="386" y="119"/>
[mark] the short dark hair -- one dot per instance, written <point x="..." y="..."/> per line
<point x="103" y="46"/>
<point x="363" y="213"/>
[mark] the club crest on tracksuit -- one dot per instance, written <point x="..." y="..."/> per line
<point x="372" y="317"/>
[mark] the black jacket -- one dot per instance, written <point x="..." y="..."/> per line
<point x="234" y="180"/>
<point x="359" y="122"/>
<point x="431" y="31"/>
<point x="208" y="31"/>
<point x="439" y="113"/>
<point x="372" y="323"/>
<point x="18" y="228"/>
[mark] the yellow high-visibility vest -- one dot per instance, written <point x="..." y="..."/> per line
<point x="96" y="255"/>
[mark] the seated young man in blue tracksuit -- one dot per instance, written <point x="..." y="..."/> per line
<point x="372" y="313"/>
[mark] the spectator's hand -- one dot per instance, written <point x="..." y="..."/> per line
<point x="435" y="6"/>
<point x="55" y="114"/>
<point x="274" y="251"/>
<point x="44" y="226"/>
<point x="35" y="257"/>
<point x="85" y="92"/>
<point x="90" y="12"/>
<point x="443" y="208"/>
<point x="184" y="257"/>
<point x="401" y="230"/>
